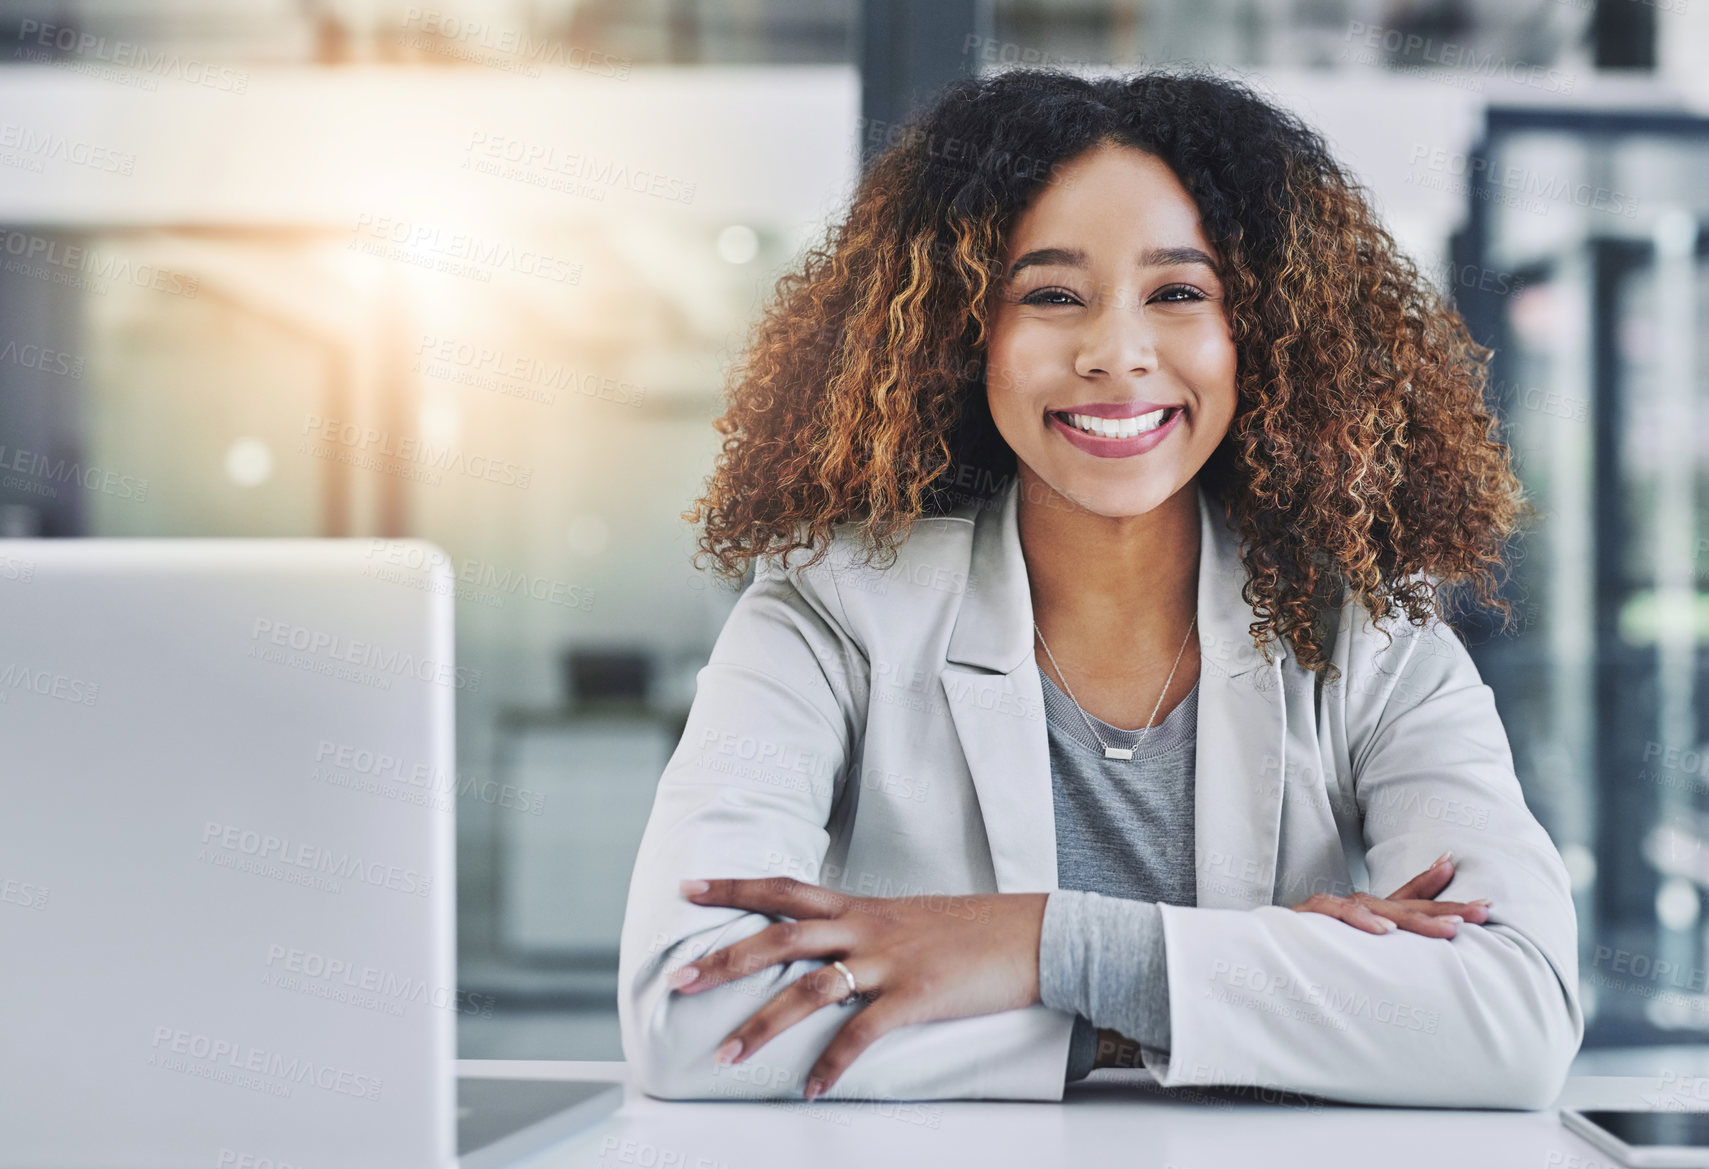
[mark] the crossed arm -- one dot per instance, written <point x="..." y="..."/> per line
<point x="1468" y="1013"/>
<point x="919" y="962"/>
<point x="1477" y="1013"/>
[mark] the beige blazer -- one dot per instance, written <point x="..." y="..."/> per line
<point x="882" y="732"/>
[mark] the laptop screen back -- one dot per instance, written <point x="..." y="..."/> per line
<point x="226" y="855"/>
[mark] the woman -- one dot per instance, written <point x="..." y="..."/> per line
<point x="1165" y="434"/>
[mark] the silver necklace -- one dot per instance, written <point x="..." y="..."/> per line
<point x="1109" y="751"/>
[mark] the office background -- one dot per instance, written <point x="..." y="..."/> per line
<point x="475" y="272"/>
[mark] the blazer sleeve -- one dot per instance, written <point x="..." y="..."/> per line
<point x="751" y="791"/>
<point x="1303" y="1002"/>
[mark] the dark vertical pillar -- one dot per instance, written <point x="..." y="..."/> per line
<point x="907" y="49"/>
<point x="44" y="377"/>
<point x="1626" y="675"/>
<point x="1623" y="34"/>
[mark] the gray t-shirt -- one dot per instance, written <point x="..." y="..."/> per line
<point x="1124" y="843"/>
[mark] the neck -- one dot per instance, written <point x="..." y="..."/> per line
<point x="1130" y="581"/>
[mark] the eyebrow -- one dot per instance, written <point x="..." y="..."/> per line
<point x="1077" y="258"/>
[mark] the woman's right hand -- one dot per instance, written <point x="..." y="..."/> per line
<point x="1412" y="907"/>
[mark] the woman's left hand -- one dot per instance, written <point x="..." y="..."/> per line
<point x="914" y="959"/>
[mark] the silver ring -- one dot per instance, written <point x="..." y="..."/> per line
<point x="849" y="978"/>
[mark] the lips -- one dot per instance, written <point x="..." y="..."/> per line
<point x="1106" y="447"/>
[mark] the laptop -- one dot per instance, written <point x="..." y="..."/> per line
<point x="227" y="879"/>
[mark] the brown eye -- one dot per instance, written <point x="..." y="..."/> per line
<point x="1037" y="297"/>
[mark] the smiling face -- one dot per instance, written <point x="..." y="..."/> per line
<point x="1111" y="311"/>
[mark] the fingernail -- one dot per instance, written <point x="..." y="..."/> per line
<point x="1483" y="901"/>
<point x="1453" y="917"/>
<point x="681" y="978"/>
<point x="815" y="1086"/>
<point x="727" y="1054"/>
<point x="1388" y="925"/>
<point x="1447" y="856"/>
<point x="690" y="888"/>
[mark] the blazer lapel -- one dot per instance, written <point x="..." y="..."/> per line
<point x="991" y="684"/>
<point x="997" y="701"/>
<point x="1241" y="750"/>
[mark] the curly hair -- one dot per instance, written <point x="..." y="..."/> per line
<point x="1360" y="456"/>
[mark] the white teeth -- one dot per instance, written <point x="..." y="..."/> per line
<point x="1119" y="427"/>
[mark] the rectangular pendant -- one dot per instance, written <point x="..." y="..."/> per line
<point x="1118" y="753"/>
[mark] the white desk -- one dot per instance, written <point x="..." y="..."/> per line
<point x="1114" y="1118"/>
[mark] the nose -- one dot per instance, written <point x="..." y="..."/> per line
<point x="1116" y="339"/>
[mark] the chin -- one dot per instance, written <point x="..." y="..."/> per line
<point x="1114" y="500"/>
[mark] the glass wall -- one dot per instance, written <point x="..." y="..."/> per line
<point x="1591" y="228"/>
